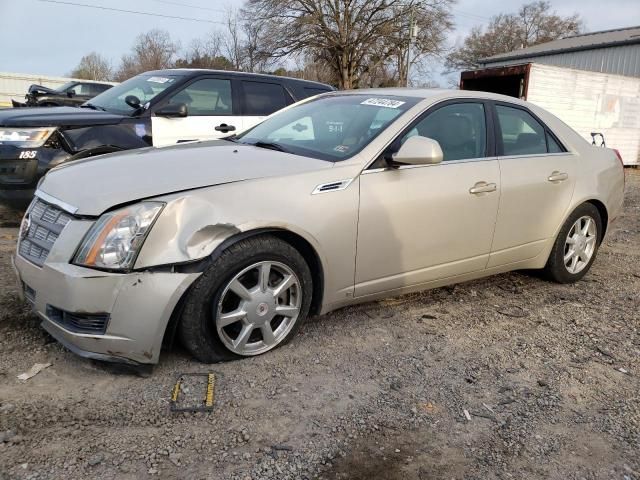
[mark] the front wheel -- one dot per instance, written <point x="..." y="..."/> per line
<point x="576" y="246"/>
<point x="251" y="299"/>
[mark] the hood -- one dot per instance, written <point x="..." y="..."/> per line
<point x="56" y="117"/>
<point x="41" y="90"/>
<point x="95" y="184"/>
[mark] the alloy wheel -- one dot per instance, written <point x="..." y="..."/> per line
<point x="580" y="244"/>
<point x="258" y="308"/>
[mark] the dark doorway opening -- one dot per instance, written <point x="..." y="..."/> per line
<point x="511" y="81"/>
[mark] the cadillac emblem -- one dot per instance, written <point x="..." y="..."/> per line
<point x="25" y="226"/>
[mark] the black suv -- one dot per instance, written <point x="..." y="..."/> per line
<point x="70" y="94"/>
<point x="152" y="109"/>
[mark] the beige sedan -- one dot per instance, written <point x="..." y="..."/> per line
<point x="343" y="198"/>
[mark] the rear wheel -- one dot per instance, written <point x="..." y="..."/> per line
<point x="251" y="299"/>
<point x="576" y="246"/>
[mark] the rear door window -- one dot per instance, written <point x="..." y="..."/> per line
<point x="96" y="89"/>
<point x="522" y="134"/>
<point x="262" y="98"/>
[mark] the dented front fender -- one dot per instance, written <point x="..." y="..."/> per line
<point x="186" y="231"/>
<point x="191" y="228"/>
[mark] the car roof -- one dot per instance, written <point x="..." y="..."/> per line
<point x="432" y="94"/>
<point x="195" y="71"/>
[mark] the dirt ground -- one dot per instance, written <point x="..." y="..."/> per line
<point x="509" y="377"/>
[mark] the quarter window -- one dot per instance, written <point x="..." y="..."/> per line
<point x="459" y="128"/>
<point x="206" y="97"/>
<point x="263" y="98"/>
<point x="553" y="146"/>
<point x="522" y="134"/>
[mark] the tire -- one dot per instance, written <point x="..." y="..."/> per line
<point x="556" y="268"/>
<point x="213" y="301"/>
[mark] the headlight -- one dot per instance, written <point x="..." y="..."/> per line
<point x="113" y="242"/>
<point x="25" y="137"/>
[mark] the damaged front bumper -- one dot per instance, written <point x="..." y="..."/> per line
<point x="101" y="315"/>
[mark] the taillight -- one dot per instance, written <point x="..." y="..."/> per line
<point x="619" y="156"/>
<point x="622" y="165"/>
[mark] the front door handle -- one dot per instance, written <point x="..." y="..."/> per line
<point x="224" y="128"/>
<point x="483" y="187"/>
<point x="557" y="176"/>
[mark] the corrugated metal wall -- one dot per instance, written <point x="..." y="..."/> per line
<point x="621" y="60"/>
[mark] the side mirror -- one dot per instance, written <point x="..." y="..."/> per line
<point x="172" y="110"/>
<point x="132" y="101"/>
<point x="71" y="93"/>
<point x="419" y="150"/>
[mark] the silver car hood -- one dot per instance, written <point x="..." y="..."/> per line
<point x="93" y="185"/>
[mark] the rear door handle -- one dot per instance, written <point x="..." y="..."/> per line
<point x="223" y="127"/>
<point x="483" y="187"/>
<point x="557" y="176"/>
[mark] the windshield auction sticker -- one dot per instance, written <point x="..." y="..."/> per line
<point x="382" y="102"/>
<point x="159" y="79"/>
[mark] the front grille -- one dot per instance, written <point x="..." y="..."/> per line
<point x="92" y="323"/>
<point x="8" y="169"/>
<point x="17" y="172"/>
<point x="45" y="223"/>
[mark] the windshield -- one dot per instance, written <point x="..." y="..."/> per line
<point x="333" y="127"/>
<point x="143" y="87"/>
<point x="64" y="87"/>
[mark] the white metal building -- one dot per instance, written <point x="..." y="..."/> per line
<point x="590" y="81"/>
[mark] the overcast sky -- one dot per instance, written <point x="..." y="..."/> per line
<point x="50" y="38"/>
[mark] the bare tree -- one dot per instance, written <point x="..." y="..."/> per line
<point x="533" y="24"/>
<point x="256" y="57"/>
<point x="205" y="53"/>
<point x="352" y="37"/>
<point x="233" y="44"/>
<point x="93" y="67"/>
<point x="153" y="50"/>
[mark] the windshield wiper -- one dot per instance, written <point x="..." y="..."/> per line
<point x="270" y="146"/>
<point x="92" y="106"/>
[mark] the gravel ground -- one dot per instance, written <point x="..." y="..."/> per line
<point x="509" y="377"/>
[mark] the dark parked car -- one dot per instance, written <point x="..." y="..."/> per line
<point x="156" y="108"/>
<point x="70" y="94"/>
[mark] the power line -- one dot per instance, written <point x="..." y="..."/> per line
<point x="191" y="19"/>
<point x="190" y="6"/>
<point x="470" y="15"/>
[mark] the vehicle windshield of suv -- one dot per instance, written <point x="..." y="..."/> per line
<point x="141" y="87"/>
<point x="64" y="87"/>
<point x="333" y="127"/>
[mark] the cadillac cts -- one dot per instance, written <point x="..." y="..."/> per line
<point x="342" y="198"/>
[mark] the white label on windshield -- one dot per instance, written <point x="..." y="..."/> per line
<point x="382" y="102"/>
<point x="159" y="79"/>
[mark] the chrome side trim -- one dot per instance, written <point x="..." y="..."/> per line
<point x="54" y="201"/>
<point x="332" y="186"/>
<point x="467" y="160"/>
<point x="536" y="155"/>
<point x="450" y="162"/>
